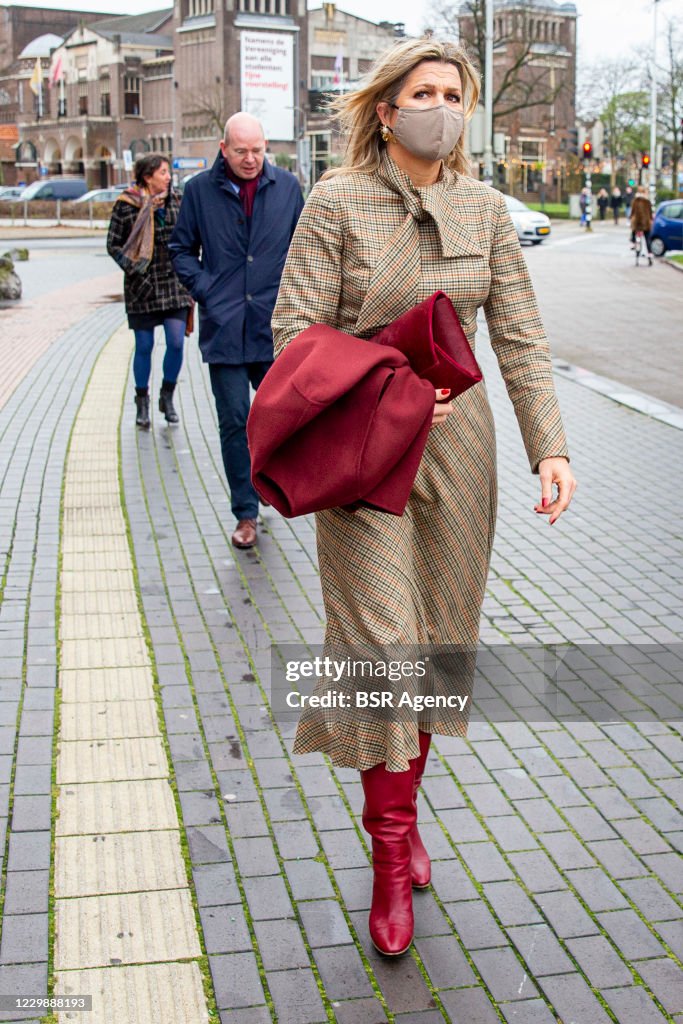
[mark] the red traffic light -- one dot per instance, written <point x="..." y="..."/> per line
<point x="587" y="149"/>
<point x="646" y="160"/>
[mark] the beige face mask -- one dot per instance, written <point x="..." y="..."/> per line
<point x="430" y="133"/>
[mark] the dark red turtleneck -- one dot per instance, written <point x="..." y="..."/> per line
<point x="247" y="187"/>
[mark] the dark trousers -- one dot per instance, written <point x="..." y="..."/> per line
<point x="230" y="386"/>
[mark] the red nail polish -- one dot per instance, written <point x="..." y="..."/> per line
<point x="545" y="502"/>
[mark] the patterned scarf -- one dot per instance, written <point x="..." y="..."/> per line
<point x="139" y="247"/>
<point x="435" y="201"/>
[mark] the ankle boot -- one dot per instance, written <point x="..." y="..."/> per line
<point x="388" y="816"/>
<point x="142" y="404"/>
<point x="166" y="401"/>
<point x="420" y="866"/>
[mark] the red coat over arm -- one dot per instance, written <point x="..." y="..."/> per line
<point x="338" y="422"/>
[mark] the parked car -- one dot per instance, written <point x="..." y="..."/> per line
<point x="180" y="187"/>
<point x="10" y="193"/>
<point x="55" y="188"/>
<point x="100" y="195"/>
<point x="530" y="226"/>
<point x="667" y="227"/>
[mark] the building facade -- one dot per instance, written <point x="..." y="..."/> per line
<point x="535" y="115"/>
<point x="25" y="33"/>
<point x="341" y="48"/>
<point x="168" y="81"/>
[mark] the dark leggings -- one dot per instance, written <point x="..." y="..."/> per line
<point x="173" y="359"/>
<point x="646" y="236"/>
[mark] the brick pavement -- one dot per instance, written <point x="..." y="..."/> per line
<point x="29" y="329"/>
<point x="556" y="891"/>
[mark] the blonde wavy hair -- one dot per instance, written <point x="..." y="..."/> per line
<point x="355" y="113"/>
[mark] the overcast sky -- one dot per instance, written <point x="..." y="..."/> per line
<point x="607" y="28"/>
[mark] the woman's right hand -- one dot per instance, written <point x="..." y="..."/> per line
<point x="442" y="409"/>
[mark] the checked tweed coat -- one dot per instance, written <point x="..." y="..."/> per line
<point x="366" y="249"/>
<point x="158" y="289"/>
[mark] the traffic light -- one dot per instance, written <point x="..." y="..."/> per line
<point x="646" y="160"/>
<point x="573" y="141"/>
<point x="587" y="150"/>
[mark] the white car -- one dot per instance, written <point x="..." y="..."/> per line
<point x="100" y="195"/>
<point x="530" y="225"/>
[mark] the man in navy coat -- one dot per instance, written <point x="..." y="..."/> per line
<point x="229" y="248"/>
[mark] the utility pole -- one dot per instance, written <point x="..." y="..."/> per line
<point x="653" y="108"/>
<point x="488" y="94"/>
<point x="652" y="181"/>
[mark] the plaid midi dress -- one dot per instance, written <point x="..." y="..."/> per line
<point x="367" y="248"/>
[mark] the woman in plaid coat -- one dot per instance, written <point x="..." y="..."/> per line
<point x="142" y="221"/>
<point x="400" y="220"/>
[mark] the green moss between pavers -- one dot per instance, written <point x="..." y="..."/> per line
<point x="676" y="258"/>
<point x="325" y="999"/>
<point x="203" y="961"/>
<point x="636" y="977"/>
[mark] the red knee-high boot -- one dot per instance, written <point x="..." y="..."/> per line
<point x="420" y="866"/>
<point x="388" y="816"/>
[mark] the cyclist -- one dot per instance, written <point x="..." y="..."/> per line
<point x="641" y="219"/>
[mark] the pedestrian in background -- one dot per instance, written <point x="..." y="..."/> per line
<point x="141" y="223"/>
<point x="603" y="202"/>
<point x="401" y="219"/>
<point x="584" y="204"/>
<point x="641" y="219"/>
<point x="228" y="249"/>
<point x="615" y="203"/>
<point x="628" y="200"/>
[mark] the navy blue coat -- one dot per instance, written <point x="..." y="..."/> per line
<point x="234" y="272"/>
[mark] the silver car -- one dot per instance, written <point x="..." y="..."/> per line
<point x="530" y="225"/>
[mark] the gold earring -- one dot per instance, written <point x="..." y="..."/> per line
<point x="386" y="133"/>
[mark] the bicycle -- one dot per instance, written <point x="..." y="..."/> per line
<point x="640" y="248"/>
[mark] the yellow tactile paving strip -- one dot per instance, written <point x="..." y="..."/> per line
<point x="125" y="930"/>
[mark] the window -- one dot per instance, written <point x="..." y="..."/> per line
<point x="82" y="99"/>
<point x="199" y="8"/>
<point x="281" y="7"/>
<point x="104" y="98"/>
<point x="131" y="95"/>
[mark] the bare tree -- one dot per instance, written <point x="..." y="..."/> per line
<point x="608" y="93"/>
<point x="520" y="84"/>
<point x="670" y="92"/>
<point x="207" y="102"/>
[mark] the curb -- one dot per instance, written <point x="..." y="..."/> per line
<point x="638" y="401"/>
<point x="672" y="263"/>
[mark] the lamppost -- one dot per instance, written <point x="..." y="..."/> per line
<point x="652" y="180"/>
<point x="488" y="95"/>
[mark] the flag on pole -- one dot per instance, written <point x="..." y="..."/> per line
<point x="338" y="66"/>
<point x="56" y="71"/>
<point x="36" y="79"/>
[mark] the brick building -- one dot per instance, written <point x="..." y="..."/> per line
<point x="32" y="31"/>
<point x="536" y="115"/>
<point x="169" y="79"/>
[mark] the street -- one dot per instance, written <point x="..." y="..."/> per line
<point x="605" y="314"/>
<point x="601" y="312"/>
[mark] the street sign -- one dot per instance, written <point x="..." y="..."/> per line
<point x="189" y="163"/>
<point x="128" y="160"/>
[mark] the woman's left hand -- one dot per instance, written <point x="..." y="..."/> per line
<point x="555" y="471"/>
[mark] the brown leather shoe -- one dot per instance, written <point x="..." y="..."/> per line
<point x="245" y="534"/>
